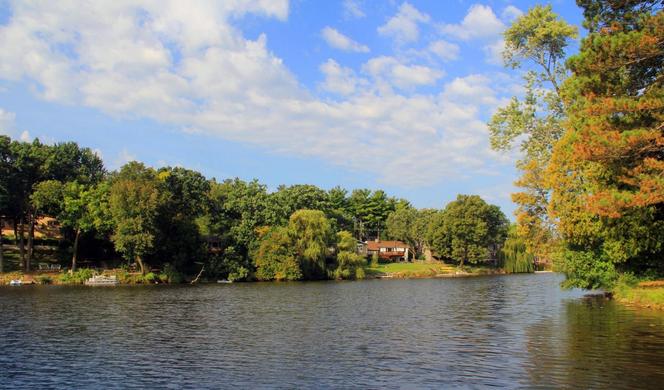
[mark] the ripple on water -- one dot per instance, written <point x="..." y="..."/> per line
<point x="506" y="331"/>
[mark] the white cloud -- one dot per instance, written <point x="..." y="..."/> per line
<point x="444" y="50"/>
<point x="494" y="52"/>
<point x="25" y="136"/>
<point x="122" y="158"/>
<point x="479" y="22"/>
<point x="338" y="79"/>
<point x="339" y="41"/>
<point x="510" y="13"/>
<point x="404" y="76"/>
<point x="7" y="122"/>
<point x="403" y="27"/>
<point x="474" y="88"/>
<point x="187" y="66"/>
<point x="353" y="9"/>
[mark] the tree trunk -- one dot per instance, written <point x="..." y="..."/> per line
<point x="75" y="254"/>
<point x="140" y="264"/>
<point x="21" y="244"/>
<point x="428" y="256"/>
<point x="15" y="231"/>
<point x="2" y="257"/>
<point x="31" y="238"/>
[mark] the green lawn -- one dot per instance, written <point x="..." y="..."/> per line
<point x="652" y="297"/>
<point x="415" y="269"/>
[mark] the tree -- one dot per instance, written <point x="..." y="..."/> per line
<point x="514" y="256"/>
<point x="311" y="233"/>
<point x="134" y="201"/>
<point x="411" y="226"/>
<point x="288" y="199"/>
<point x="5" y="182"/>
<point x="537" y="38"/>
<point x="275" y="258"/>
<point x="465" y="231"/>
<point x="184" y="195"/>
<point x="350" y="264"/>
<point x="607" y="172"/>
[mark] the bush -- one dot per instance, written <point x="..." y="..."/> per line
<point x="240" y="273"/>
<point x="44" y="279"/>
<point x="77" y="277"/>
<point x="171" y="275"/>
<point x="587" y="269"/>
<point x="150" y="277"/>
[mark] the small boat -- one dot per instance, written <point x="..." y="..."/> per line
<point x="101" y="280"/>
<point x="15" y="282"/>
<point x="224" y="281"/>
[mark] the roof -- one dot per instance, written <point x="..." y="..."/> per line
<point x="376" y="245"/>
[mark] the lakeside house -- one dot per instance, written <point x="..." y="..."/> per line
<point x="389" y="250"/>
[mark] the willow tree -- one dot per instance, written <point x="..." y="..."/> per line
<point x="311" y="233"/>
<point x="537" y="42"/>
<point x="607" y="172"/>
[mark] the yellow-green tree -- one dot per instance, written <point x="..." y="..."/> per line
<point x="536" y="41"/>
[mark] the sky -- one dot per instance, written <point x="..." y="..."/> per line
<point x="363" y="94"/>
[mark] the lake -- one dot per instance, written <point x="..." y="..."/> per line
<point x="506" y="331"/>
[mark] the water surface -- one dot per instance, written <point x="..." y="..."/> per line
<point x="506" y="331"/>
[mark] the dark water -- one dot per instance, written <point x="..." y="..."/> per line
<point x="505" y="331"/>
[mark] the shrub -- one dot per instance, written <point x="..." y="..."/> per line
<point x="150" y="277"/>
<point x="44" y="279"/>
<point x="77" y="277"/>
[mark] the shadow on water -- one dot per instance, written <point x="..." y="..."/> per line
<point x="597" y="343"/>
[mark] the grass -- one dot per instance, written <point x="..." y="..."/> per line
<point x="411" y="270"/>
<point x="645" y="294"/>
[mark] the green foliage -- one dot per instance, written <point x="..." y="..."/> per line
<point x="44" y="279"/>
<point x="275" y="258"/>
<point x="538" y="38"/>
<point x="350" y="264"/>
<point x="606" y="172"/>
<point x="134" y="201"/>
<point x="150" y="277"/>
<point x="77" y="277"/>
<point x="587" y="269"/>
<point x="514" y="255"/>
<point x="374" y="260"/>
<point x="468" y="230"/>
<point x="311" y="235"/>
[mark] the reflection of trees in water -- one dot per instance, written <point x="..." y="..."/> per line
<point x="597" y="343"/>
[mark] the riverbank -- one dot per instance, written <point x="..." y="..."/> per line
<point x="64" y="278"/>
<point x="417" y="270"/>
<point x="648" y="294"/>
<point x="414" y="270"/>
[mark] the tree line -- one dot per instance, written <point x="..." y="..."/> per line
<point x="590" y="127"/>
<point x="167" y="217"/>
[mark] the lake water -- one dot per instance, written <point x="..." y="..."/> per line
<point x="506" y="331"/>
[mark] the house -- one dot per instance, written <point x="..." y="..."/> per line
<point x="389" y="250"/>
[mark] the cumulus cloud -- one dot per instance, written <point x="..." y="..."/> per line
<point x="339" y="41"/>
<point x="403" y="27"/>
<point x="338" y="79"/>
<point x="444" y="50"/>
<point x="390" y="70"/>
<point x="353" y="9"/>
<point x="494" y="52"/>
<point x="6" y="122"/>
<point x="510" y="13"/>
<point x="190" y="67"/>
<point x="479" y="22"/>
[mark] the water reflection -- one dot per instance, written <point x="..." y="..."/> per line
<point x="597" y="343"/>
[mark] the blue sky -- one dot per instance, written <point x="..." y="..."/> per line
<point x="362" y="94"/>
